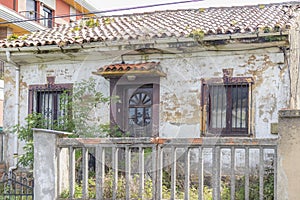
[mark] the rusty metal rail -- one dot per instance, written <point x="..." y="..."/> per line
<point x="174" y="168"/>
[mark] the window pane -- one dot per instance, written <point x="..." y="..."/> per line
<point x="47" y="15"/>
<point x="147" y="116"/>
<point x="46" y="107"/>
<point x="218" y="106"/>
<point x="239" y="106"/>
<point x="140" y="116"/>
<point x="30" y="9"/>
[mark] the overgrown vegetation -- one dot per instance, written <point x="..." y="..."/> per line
<point x="197" y="34"/>
<point x="85" y="103"/>
<point x="25" y="133"/>
<point x="12" y="37"/>
<point x="166" y="188"/>
<point x="90" y="23"/>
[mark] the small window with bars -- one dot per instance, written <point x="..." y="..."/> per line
<point x="226" y="108"/>
<point x="53" y="102"/>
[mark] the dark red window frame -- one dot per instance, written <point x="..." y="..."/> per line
<point x="226" y="106"/>
<point x="36" y="93"/>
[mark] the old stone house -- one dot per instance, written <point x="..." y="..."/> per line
<point x="184" y="73"/>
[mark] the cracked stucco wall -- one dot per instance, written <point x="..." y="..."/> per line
<point x="180" y="90"/>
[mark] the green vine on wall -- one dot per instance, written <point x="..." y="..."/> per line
<point x="84" y="120"/>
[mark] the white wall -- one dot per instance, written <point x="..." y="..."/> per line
<point x="180" y="90"/>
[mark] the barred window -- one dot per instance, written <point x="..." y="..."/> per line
<point x="226" y="107"/>
<point x="52" y="101"/>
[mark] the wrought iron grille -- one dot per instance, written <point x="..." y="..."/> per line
<point x="16" y="187"/>
<point x="53" y="103"/>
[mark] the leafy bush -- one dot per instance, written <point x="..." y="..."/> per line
<point x="25" y="133"/>
<point x="84" y="102"/>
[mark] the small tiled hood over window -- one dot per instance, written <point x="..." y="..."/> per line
<point x="138" y="69"/>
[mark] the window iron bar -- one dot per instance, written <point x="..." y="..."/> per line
<point x="227" y="108"/>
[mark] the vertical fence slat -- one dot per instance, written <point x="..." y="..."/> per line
<point x="72" y="171"/>
<point x="216" y="172"/>
<point x="127" y="171"/>
<point x="173" y="172"/>
<point x="261" y="173"/>
<point x="100" y="173"/>
<point x="85" y="158"/>
<point x="200" y="174"/>
<point x="115" y="171"/>
<point x="246" y="173"/>
<point x="159" y="171"/>
<point x="187" y="174"/>
<point x="59" y="170"/>
<point x="141" y="172"/>
<point x="275" y="172"/>
<point x="154" y="172"/>
<point x="232" y="174"/>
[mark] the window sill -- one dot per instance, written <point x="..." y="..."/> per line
<point x="227" y="135"/>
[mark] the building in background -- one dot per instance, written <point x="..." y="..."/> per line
<point x="19" y="17"/>
<point x="44" y="14"/>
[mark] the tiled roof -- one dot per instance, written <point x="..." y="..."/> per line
<point x="166" y="24"/>
<point x="138" y="68"/>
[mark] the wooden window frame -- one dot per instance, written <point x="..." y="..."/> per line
<point x="206" y="112"/>
<point x="50" y="87"/>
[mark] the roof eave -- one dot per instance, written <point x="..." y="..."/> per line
<point x="113" y="74"/>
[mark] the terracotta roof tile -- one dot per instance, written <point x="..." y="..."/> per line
<point x="129" y="67"/>
<point x="147" y="68"/>
<point x="163" y="24"/>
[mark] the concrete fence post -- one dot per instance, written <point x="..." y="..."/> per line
<point x="45" y="163"/>
<point x="288" y="180"/>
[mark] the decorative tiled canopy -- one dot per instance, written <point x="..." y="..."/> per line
<point x="138" y="69"/>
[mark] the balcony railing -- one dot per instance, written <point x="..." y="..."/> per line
<point x="47" y="22"/>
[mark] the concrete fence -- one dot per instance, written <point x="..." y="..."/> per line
<point x="196" y="162"/>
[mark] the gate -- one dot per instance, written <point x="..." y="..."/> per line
<point x="13" y="187"/>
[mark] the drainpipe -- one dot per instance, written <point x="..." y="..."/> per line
<point x="16" y="121"/>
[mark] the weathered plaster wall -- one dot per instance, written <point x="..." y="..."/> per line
<point x="180" y="90"/>
<point x="9" y="113"/>
<point x="64" y="73"/>
<point x="37" y="74"/>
